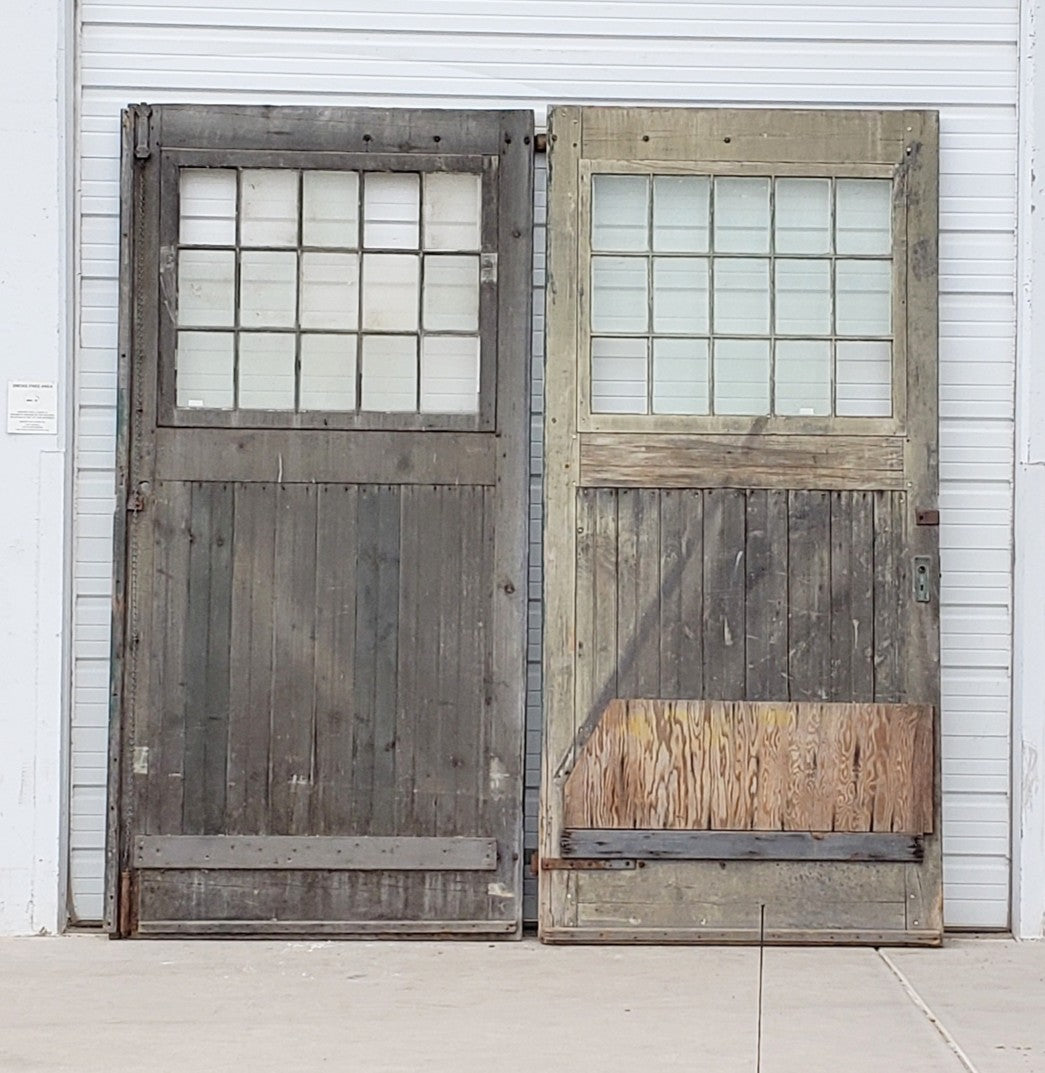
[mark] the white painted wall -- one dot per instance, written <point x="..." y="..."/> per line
<point x="959" y="56"/>
<point x="33" y="346"/>
<point x="1029" y="573"/>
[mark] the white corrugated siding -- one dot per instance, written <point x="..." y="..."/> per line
<point x="958" y="57"/>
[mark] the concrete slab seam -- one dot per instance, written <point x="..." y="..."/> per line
<point x="917" y="999"/>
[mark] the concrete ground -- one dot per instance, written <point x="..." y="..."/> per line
<point x="82" y="1003"/>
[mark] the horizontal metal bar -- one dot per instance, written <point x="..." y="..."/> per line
<point x="581" y="864"/>
<point x="741" y="845"/>
<point x="406" y="928"/>
<point x="369" y="853"/>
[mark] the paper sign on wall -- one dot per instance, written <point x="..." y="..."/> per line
<point x="32" y="407"/>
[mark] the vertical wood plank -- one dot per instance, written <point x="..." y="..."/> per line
<point x="335" y="657"/>
<point x="852" y="597"/>
<point x="766" y="596"/>
<point x="207" y="658"/>
<point x="596" y="609"/>
<point x="470" y="709"/>
<point x="638" y="593"/>
<point x="293" y="653"/>
<point x="250" y="699"/>
<point x="386" y="657"/>
<point x="672" y="624"/>
<point x="920" y="657"/>
<point x="809" y="594"/>
<point x="167" y="767"/>
<point x="426" y="638"/>
<point x="890" y="584"/>
<point x="442" y="736"/>
<point x="561" y="468"/>
<point x="690" y="679"/>
<point x="415" y="534"/>
<point x="724" y="580"/>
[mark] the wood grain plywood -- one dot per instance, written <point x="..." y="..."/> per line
<point x="758" y="766"/>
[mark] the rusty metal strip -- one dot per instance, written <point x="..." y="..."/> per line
<point x="605" y="844"/>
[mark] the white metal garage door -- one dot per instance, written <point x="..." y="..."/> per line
<point x="958" y="57"/>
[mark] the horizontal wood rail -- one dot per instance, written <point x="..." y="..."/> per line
<point x="370" y="853"/>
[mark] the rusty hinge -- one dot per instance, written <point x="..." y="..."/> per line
<point x="540" y="864"/>
<point x="142" y="131"/>
<point x="128" y="907"/>
<point x="136" y="501"/>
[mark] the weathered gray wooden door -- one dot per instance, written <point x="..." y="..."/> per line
<point x="319" y="614"/>
<point x="742" y="663"/>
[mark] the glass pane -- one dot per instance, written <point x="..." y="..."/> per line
<point x="391" y="210"/>
<point x="863" y="297"/>
<point x="390" y="291"/>
<point x="863" y="216"/>
<point x="619" y="212"/>
<point x="453" y="211"/>
<point x="203" y="369"/>
<point x="803" y="216"/>
<point x="329" y="290"/>
<point x="742" y="215"/>
<point x="680" y="295"/>
<point x="390" y="373"/>
<point x="680" y="376"/>
<point x="680" y="213"/>
<point x="803" y="297"/>
<point x="742" y="376"/>
<point x="267" y="289"/>
<point x="863" y="379"/>
<point x="619" y="298"/>
<point x="450" y="374"/>
<point x="328" y="372"/>
<point x="742" y="296"/>
<point x="266" y="371"/>
<point x="269" y="211"/>
<point x="618" y="376"/>
<point x="208" y="206"/>
<point x="330" y="208"/>
<point x="451" y="294"/>
<point x="803" y="377"/>
<point x="206" y="288"/>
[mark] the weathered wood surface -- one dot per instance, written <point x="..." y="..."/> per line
<point x="751" y="766"/>
<point x="372" y="929"/>
<point x="744" y="135"/>
<point x="781" y="551"/>
<point x="713" y="461"/>
<point x="609" y="844"/>
<point x="323" y="669"/>
<point x="373" y="853"/>
<point x="330" y="608"/>
<point x="284" y="456"/>
<point x="734" y="594"/>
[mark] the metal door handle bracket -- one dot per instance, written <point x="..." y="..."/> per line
<point x="922" y="578"/>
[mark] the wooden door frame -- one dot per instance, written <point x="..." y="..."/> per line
<point x="501" y="460"/>
<point x="578" y="451"/>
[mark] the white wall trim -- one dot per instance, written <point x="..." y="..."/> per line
<point x="34" y="343"/>
<point x="68" y="119"/>
<point x="1028" y="750"/>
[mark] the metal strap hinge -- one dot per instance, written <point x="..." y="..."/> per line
<point x="142" y="131"/>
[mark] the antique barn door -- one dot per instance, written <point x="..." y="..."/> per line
<point x="320" y="606"/>
<point x="741" y="553"/>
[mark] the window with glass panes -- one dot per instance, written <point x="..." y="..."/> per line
<point x="329" y="290"/>
<point x="741" y="295"/>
